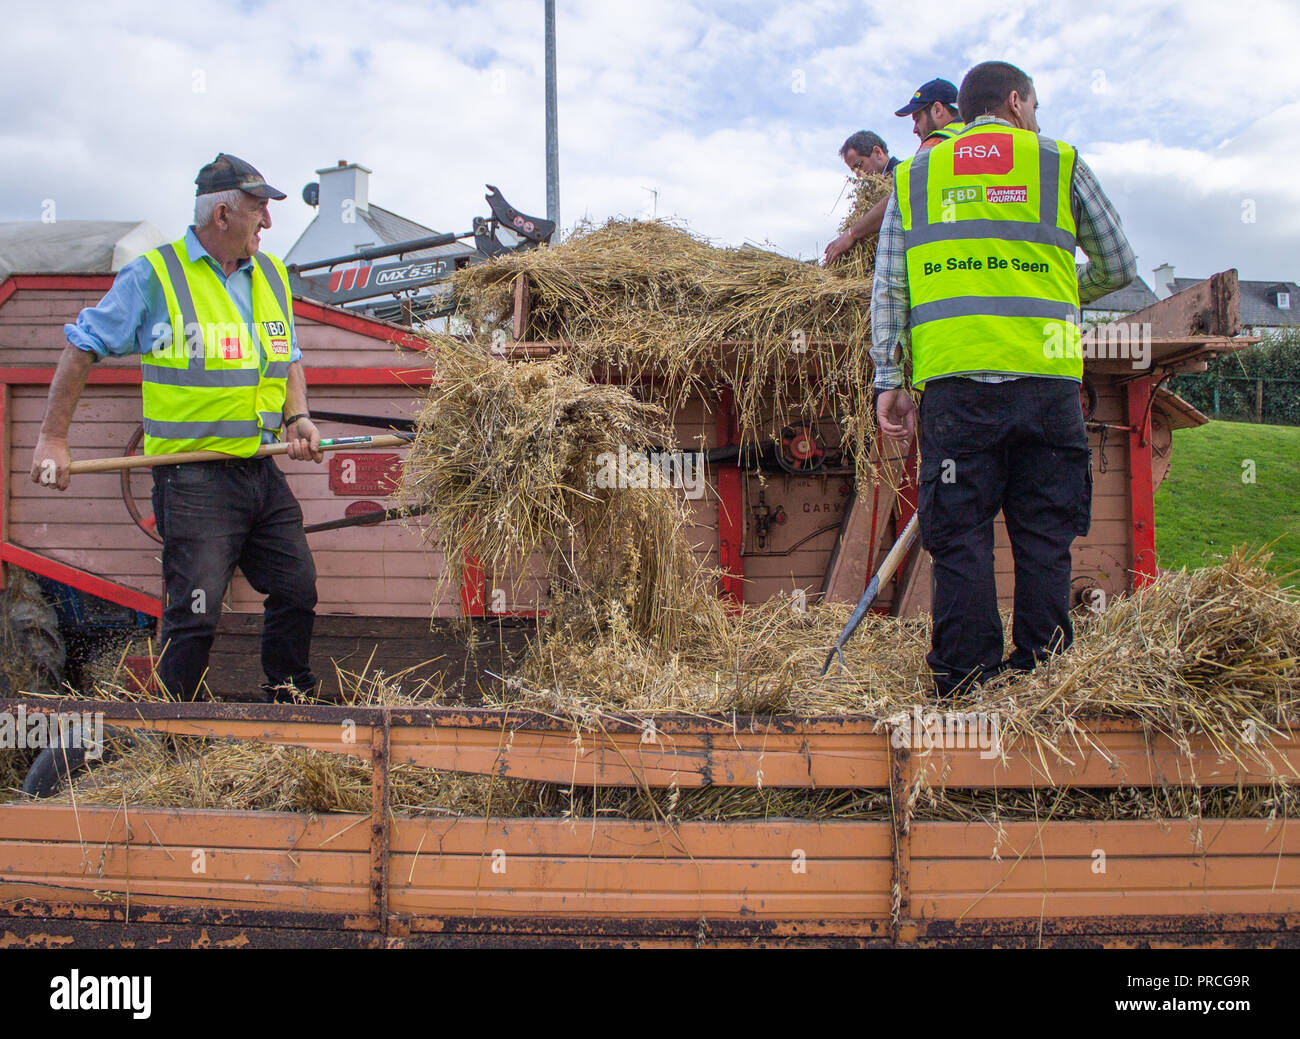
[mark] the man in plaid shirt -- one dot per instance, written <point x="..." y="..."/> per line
<point x="1001" y="427"/>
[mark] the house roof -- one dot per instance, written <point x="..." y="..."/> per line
<point x="1133" y="296"/>
<point x="391" y="228"/>
<point x="74" y="246"/>
<point x="1259" y="301"/>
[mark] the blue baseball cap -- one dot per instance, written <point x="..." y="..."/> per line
<point x="928" y="94"/>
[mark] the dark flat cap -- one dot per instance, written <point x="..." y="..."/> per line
<point x="226" y="172"/>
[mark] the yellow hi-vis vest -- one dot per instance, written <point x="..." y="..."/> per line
<point x="207" y="385"/>
<point x="990" y="241"/>
<point x="945" y="132"/>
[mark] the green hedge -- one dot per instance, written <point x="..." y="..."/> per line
<point x="1235" y="378"/>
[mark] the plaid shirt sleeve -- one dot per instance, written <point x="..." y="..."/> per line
<point x="1111" y="264"/>
<point x="890" y="308"/>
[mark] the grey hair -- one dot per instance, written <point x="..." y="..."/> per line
<point x="206" y="205"/>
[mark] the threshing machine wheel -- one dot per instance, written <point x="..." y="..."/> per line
<point x="144" y="518"/>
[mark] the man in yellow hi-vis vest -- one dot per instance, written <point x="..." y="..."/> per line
<point x="212" y="320"/>
<point x="976" y="259"/>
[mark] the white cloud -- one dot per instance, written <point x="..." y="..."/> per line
<point x="694" y="99"/>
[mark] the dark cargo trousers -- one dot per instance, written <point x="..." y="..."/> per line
<point x="1018" y="447"/>
<point x="214" y="516"/>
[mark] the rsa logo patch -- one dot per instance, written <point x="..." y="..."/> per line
<point x="985" y="154"/>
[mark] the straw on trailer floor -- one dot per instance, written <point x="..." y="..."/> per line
<point x="223" y="775"/>
<point x="1213" y="652"/>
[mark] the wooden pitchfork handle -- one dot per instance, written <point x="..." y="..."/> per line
<point x="885" y="572"/>
<point x="119" y="462"/>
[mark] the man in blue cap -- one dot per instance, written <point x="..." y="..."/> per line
<point x="933" y="108"/>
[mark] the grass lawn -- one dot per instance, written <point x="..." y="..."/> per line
<point x="1204" y="508"/>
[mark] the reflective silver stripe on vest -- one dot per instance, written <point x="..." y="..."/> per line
<point x="271" y="419"/>
<point x="225" y="378"/>
<point x="200" y="430"/>
<point x="918" y="181"/>
<point x="189" y="315"/>
<point x="993" y="306"/>
<point x="1049" y="172"/>
<point x="273" y="277"/>
<point x="1004" y="230"/>
<point x="277" y="369"/>
<point x="1045" y="232"/>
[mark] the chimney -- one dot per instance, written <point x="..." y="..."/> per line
<point x="344" y="191"/>
<point x="1163" y="283"/>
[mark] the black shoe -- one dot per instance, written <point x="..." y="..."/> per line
<point x="288" y="692"/>
<point x="948" y="692"/>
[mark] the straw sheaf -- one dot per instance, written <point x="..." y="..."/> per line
<point x="509" y="457"/>
<point x="657" y="307"/>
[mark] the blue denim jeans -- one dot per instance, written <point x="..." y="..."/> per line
<point x="1018" y="448"/>
<point x="214" y="516"/>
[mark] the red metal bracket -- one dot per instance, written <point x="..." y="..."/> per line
<point x="907" y="505"/>
<point x="473" y="589"/>
<point x="1142" y="510"/>
<point x="80" y="579"/>
<point x="731" y="519"/>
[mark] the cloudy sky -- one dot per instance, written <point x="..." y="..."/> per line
<point x="733" y="112"/>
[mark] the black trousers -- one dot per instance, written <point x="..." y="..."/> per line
<point x="214" y="516"/>
<point x="1017" y="447"/>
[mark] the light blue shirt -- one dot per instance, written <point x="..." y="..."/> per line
<point x="122" y="323"/>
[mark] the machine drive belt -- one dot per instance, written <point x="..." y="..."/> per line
<point x="401" y="425"/>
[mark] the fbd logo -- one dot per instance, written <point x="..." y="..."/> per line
<point x="953" y="196"/>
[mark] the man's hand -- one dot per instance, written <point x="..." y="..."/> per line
<point x="896" y="414"/>
<point x="839" y="247"/>
<point x="303" y="439"/>
<point x="50" y="462"/>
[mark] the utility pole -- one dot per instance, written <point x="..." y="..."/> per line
<point x="552" y="128"/>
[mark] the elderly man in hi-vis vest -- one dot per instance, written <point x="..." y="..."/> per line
<point x="211" y="318"/>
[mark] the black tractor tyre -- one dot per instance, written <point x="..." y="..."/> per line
<point x="47" y="773"/>
<point x="32" y="660"/>
<point x="52" y="767"/>
<point x="32" y="651"/>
